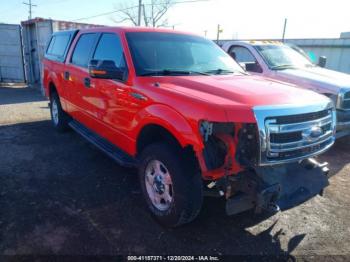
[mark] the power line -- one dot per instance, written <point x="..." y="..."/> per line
<point x="30" y="5"/>
<point x="132" y="7"/>
<point x="103" y="14"/>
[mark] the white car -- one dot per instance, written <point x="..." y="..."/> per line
<point x="278" y="61"/>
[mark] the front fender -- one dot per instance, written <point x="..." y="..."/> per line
<point x="186" y="133"/>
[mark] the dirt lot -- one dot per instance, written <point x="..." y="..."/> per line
<point x="60" y="195"/>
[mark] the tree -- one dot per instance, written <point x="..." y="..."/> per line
<point x="153" y="13"/>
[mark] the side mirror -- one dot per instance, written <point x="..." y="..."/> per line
<point x="322" y="61"/>
<point x="253" y="67"/>
<point x="106" y="69"/>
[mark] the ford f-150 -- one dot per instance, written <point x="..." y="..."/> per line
<point x="183" y="112"/>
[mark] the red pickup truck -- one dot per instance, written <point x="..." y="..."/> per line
<point x="184" y="113"/>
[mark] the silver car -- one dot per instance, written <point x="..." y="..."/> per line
<point x="280" y="62"/>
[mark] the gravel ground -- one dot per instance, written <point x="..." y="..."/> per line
<point x="60" y="195"/>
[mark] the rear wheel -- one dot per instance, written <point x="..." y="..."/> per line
<point x="59" y="118"/>
<point x="171" y="186"/>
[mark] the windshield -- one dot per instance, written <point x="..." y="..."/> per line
<point x="156" y="53"/>
<point x="280" y="56"/>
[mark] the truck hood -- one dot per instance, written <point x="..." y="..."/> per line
<point x="243" y="90"/>
<point x="317" y="78"/>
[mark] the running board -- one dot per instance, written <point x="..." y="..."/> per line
<point x="108" y="148"/>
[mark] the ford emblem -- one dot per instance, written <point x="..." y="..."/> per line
<point x="312" y="133"/>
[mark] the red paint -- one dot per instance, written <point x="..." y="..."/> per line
<point x="178" y="103"/>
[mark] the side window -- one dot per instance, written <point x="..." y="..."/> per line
<point x="58" y="45"/>
<point x="50" y="47"/>
<point x="110" y="48"/>
<point x="245" y="58"/>
<point x="83" y="48"/>
<point x="242" y="55"/>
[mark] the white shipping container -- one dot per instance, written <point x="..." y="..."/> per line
<point x="11" y="58"/>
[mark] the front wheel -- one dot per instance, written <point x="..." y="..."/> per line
<point x="171" y="186"/>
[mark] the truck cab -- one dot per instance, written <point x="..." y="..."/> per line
<point x="275" y="60"/>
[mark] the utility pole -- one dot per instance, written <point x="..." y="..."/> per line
<point x="139" y="15"/>
<point x="284" y="29"/>
<point x="218" y="34"/>
<point x="30" y="5"/>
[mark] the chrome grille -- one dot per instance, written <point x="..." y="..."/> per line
<point x="301" y="117"/>
<point x="303" y="135"/>
<point x="344" y="100"/>
<point x="347" y="95"/>
<point x="291" y="134"/>
<point x="346" y="104"/>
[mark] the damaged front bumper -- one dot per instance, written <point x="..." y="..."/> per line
<point x="276" y="188"/>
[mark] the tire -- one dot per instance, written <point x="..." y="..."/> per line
<point x="184" y="186"/>
<point x="59" y="118"/>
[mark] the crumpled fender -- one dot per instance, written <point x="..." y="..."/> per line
<point x="172" y="121"/>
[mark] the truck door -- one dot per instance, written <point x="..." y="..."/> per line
<point x="245" y="58"/>
<point x="82" y="93"/>
<point x="113" y="95"/>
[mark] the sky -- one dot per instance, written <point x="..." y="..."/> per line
<point x="242" y="19"/>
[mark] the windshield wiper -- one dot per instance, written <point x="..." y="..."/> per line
<point x="219" y="71"/>
<point x="281" y="67"/>
<point x="169" y="72"/>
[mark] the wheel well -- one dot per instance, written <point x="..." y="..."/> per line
<point x="151" y="134"/>
<point x="52" y="89"/>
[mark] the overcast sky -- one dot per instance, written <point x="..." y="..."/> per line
<point x="238" y="18"/>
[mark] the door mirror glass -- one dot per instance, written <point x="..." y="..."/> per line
<point x="322" y="61"/>
<point x="253" y="67"/>
<point x="106" y="69"/>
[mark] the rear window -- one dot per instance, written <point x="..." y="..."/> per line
<point x="58" y="46"/>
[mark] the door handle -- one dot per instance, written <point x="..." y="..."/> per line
<point x="66" y="75"/>
<point x="87" y="82"/>
<point x="139" y="96"/>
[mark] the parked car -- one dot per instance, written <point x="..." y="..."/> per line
<point x="183" y="112"/>
<point x="278" y="61"/>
